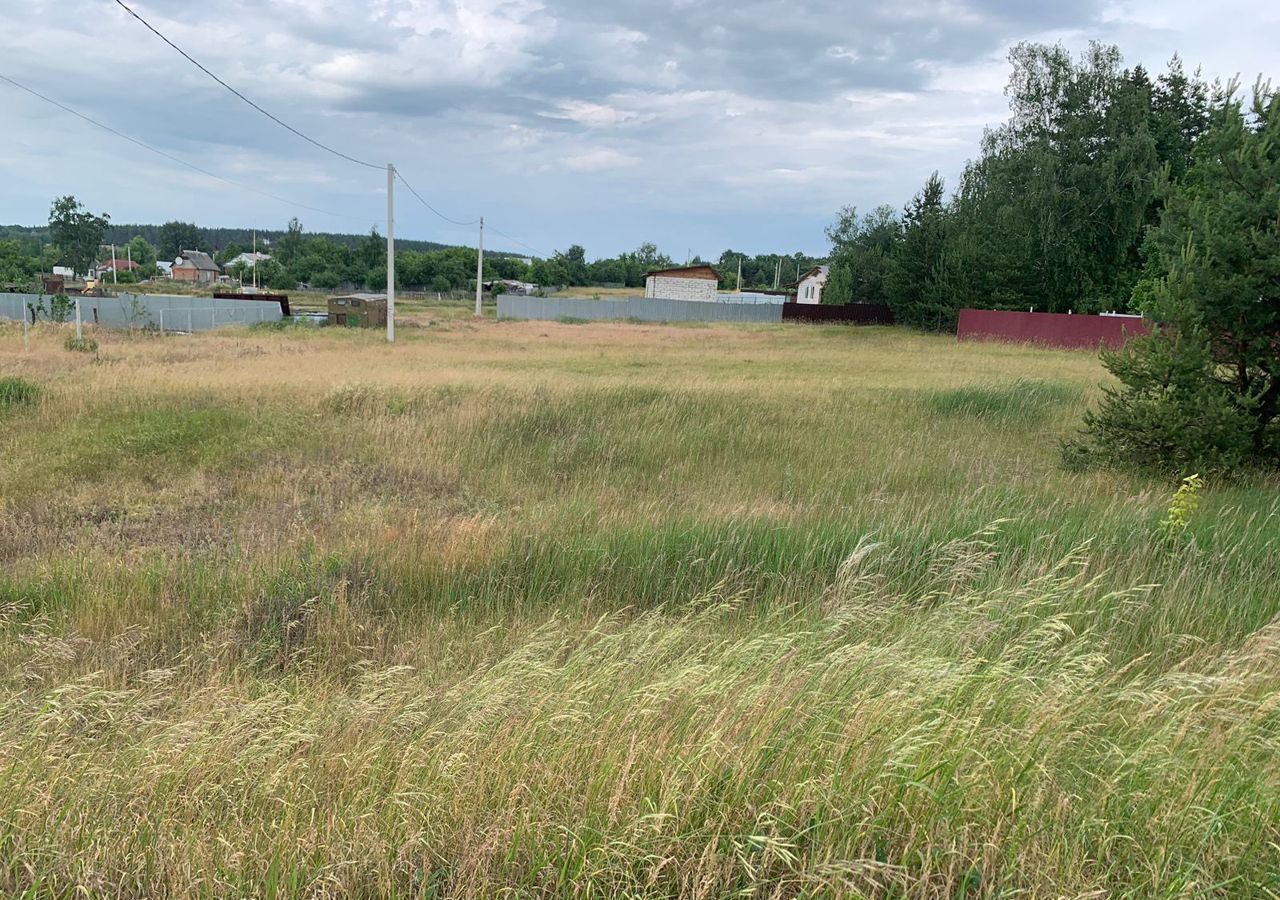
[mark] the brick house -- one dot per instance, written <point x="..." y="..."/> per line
<point x="192" y="265"/>
<point x="106" y="267"/>
<point x="684" y="283"/>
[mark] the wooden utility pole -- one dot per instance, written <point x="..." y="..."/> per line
<point x="391" y="253"/>
<point x="480" y="267"/>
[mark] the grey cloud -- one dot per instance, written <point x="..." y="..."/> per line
<point x="677" y="120"/>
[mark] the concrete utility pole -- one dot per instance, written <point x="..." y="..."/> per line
<point x="391" y="253"/>
<point x="739" y="274"/>
<point x="114" y="279"/>
<point x="480" y="267"/>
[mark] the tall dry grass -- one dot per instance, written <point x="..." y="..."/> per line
<point x="529" y="609"/>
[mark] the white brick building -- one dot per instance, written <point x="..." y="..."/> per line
<point x="686" y="283"/>
<point x="809" y="287"/>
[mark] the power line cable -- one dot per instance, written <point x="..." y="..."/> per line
<point x="432" y="208"/>
<point x="286" y="125"/>
<point x="535" y="251"/>
<point x="169" y="156"/>
<point x="488" y="226"/>
<point x="306" y="137"/>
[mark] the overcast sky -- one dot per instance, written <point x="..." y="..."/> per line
<point x="696" y="124"/>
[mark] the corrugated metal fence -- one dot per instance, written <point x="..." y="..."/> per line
<point x="514" y="306"/>
<point x="851" y="313"/>
<point x="1071" y="332"/>
<point x="168" y="313"/>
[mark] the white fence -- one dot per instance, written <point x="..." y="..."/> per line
<point x="165" y="312"/>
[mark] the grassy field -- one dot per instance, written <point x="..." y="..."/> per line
<point x="537" y="609"/>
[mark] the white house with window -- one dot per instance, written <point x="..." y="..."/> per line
<point x="809" y="287"/>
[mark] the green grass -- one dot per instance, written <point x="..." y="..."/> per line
<point x="1026" y="401"/>
<point x="527" y="609"/>
<point x="18" y="392"/>
<point x="80" y="344"/>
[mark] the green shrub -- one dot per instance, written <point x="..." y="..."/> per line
<point x="1169" y="414"/>
<point x="289" y="323"/>
<point x="15" y="392"/>
<point x="80" y="344"/>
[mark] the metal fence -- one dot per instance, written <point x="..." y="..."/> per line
<point x="750" y="297"/>
<point x="851" y="313"/>
<point x="644" y="309"/>
<point x="1071" y="332"/>
<point x="165" y="312"/>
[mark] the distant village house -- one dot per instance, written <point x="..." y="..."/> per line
<point x="809" y="287"/>
<point x="192" y="265"/>
<point x="683" y="283"/>
<point x="249" y="260"/>
<point x="107" y="266"/>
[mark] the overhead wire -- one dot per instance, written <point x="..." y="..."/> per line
<point x="535" y="251"/>
<point x="169" y="156"/>
<point x="453" y="221"/>
<point x="304" y="136"/>
<point x="278" y="121"/>
<point x="432" y="208"/>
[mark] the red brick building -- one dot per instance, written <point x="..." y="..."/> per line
<point x="192" y="265"/>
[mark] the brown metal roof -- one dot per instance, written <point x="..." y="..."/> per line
<point x="706" y="273"/>
<point x="200" y="260"/>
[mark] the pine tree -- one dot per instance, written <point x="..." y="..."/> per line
<point x="916" y="285"/>
<point x="1203" y="391"/>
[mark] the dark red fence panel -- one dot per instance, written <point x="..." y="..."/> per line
<point x="1049" y="329"/>
<point x="853" y="313"/>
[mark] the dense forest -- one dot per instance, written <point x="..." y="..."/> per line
<point x="1053" y="213"/>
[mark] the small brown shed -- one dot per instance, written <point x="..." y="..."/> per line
<point x="359" y="310"/>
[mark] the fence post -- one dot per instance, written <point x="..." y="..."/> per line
<point x="188" y="320"/>
<point x="79" y="329"/>
<point x="162" y="322"/>
<point x="26" y="341"/>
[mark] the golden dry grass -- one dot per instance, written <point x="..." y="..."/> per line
<point x="540" y="609"/>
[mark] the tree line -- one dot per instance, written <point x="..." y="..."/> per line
<point x="1110" y="190"/>
<point x="1054" y="212"/>
<point x="77" y="237"/>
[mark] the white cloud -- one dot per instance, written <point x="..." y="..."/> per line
<point x="593" y="115"/>
<point x="722" y="120"/>
<point x="599" y="160"/>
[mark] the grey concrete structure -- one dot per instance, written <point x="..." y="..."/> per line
<point x="645" y="309"/>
